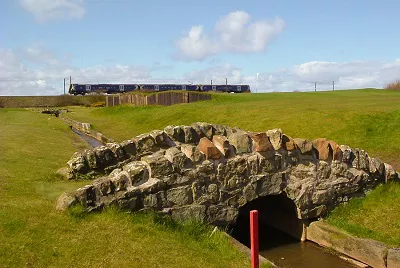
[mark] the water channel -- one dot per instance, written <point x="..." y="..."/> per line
<point x="90" y="140"/>
<point x="277" y="246"/>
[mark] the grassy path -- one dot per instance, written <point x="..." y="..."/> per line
<point x="32" y="234"/>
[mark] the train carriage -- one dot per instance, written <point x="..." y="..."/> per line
<point x="83" y="89"/>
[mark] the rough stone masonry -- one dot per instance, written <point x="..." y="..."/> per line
<point x="207" y="172"/>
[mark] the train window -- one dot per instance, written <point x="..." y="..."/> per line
<point x="157" y="87"/>
<point x="88" y="88"/>
<point x="121" y="88"/>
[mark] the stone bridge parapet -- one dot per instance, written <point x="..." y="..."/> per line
<point x="207" y="172"/>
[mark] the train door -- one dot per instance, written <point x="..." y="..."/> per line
<point x="88" y="88"/>
<point x="156" y="87"/>
<point x="121" y="88"/>
<point x="214" y="88"/>
<point x="239" y="88"/>
<point x="183" y="87"/>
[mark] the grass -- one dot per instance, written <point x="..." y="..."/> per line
<point x="383" y="220"/>
<point x="367" y="119"/>
<point x="33" y="146"/>
<point x="33" y="234"/>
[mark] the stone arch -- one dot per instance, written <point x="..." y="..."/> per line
<point x="208" y="172"/>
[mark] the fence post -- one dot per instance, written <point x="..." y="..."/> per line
<point x="255" y="262"/>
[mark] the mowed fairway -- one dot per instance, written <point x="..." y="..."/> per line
<point x="32" y="234"/>
<point x="367" y="119"/>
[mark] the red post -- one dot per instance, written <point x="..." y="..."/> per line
<point x="255" y="262"/>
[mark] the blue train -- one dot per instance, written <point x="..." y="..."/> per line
<point x="82" y="89"/>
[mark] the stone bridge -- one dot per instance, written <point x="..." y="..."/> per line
<point x="208" y="172"/>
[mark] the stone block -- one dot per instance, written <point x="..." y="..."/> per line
<point x="222" y="143"/>
<point x="323" y="149"/>
<point x="159" y="165"/>
<point x="180" y="196"/>
<point x="367" y="251"/>
<point x="177" y="158"/>
<point x="65" y="201"/>
<point x="190" y="212"/>
<point x="117" y="150"/>
<point x="121" y="180"/>
<point x="261" y="142"/>
<point x="129" y="147"/>
<point x="203" y="129"/>
<point x="393" y="258"/>
<point x="208" y="149"/>
<point x="271" y="184"/>
<point x="138" y="172"/>
<point x="241" y="141"/>
<point x="145" y="143"/>
<point x="376" y="166"/>
<point x="176" y="133"/>
<point x="191" y="135"/>
<point x="105" y="157"/>
<point x="78" y="163"/>
<point x="161" y="139"/>
<point x="337" y="154"/>
<point x="275" y="137"/>
<point x="288" y="143"/>
<point x="304" y="145"/>
<point x="221" y="215"/>
<point x="390" y="173"/>
<point x="192" y="152"/>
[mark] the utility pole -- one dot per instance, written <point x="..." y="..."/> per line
<point x="64" y="85"/>
<point x="226" y="84"/>
<point x="333" y="85"/>
<point x="211" y="82"/>
<point x="70" y="80"/>
<point x="315" y="86"/>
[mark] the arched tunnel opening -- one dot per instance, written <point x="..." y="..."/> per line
<point x="280" y="233"/>
<point x="278" y="221"/>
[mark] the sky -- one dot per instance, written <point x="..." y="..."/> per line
<point x="271" y="45"/>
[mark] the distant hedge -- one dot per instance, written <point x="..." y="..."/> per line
<point x="49" y="101"/>
<point x="393" y="86"/>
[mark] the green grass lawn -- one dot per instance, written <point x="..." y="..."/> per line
<point x="33" y="146"/>
<point x="33" y="234"/>
<point x="367" y="119"/>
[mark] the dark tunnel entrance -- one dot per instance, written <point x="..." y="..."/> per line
<point x="277" y="221"/>
<point x="280" y="233"/>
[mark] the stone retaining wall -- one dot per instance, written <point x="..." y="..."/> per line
<point x="368" y="251"/>
<point x="86" y="129"/>
<point x="208" y="172"/>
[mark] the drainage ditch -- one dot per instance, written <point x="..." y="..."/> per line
<point x="279" y="235"/>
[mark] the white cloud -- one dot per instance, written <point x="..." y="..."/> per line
<point x="232" y="33"/>
<point x="19" y="77"/>
<point x="347" y="75"/>
<point x="46" y="10"/>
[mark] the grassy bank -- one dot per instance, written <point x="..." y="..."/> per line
<point x="32" y="234"/>
<point x="377" y="216"/>
<point x="367" y="119"/>
<point x="49" y="101"/>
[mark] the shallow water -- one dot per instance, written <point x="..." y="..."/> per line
<point x="90" y="140"/>
<point x="286" y="251"/>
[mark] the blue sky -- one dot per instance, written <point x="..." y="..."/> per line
<point x="290" y="44"/>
